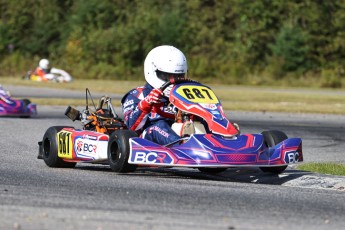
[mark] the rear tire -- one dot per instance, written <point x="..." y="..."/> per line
<point x="50" y="149"/>
<point x="272" y="138"/>
<point x="118" y="151"/>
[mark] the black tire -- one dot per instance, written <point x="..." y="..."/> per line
<point x="212" y="170"/>
<point x="26" y="102"/>
<point x="118" y="151"/>
<point x="50" y="149"/>
<point x="271" y="138"/>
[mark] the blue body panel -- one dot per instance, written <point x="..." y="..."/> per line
<point x="214" y="151"/>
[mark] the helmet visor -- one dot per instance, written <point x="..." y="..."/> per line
<point x="164" y="76"/>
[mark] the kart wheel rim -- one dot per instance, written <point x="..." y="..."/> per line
<point x="114" y="152"/>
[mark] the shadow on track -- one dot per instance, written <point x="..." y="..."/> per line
<point x="241" y="175"/>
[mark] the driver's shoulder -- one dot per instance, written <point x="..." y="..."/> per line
<point x="133" y="93"/>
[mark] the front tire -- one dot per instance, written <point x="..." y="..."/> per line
<point x="118" y="151"/>
<point x="272" y="138"/>
<point x="50" y="149"/>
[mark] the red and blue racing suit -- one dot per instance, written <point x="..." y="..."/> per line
<point x="154" y="125"/>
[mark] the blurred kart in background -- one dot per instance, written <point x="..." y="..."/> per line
<point x="10" y="107"/>
<point x="53" y="77"/>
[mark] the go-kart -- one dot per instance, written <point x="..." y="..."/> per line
<point x="215" y="145"/>
<point x="54" y="77"/>
<point x="11" y="107"/>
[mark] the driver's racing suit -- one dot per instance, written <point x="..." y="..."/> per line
<point x="5" y="96"/>
<point x="149" y="125"/>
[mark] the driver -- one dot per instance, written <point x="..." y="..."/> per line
<point x="145" y="108"/>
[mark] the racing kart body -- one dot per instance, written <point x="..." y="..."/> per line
<point x="215" y="145"/>
<point x="59" y="76"/>
<point x="15" y="107"/>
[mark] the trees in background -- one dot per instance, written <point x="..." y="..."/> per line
<point x="229" y="41"/>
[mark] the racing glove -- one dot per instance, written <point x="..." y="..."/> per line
<point x="154" y="97"/>
<point x="157" y="108"/>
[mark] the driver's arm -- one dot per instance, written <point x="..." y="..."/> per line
<point x="136" y="111"/>
<point x="134" y="118"/>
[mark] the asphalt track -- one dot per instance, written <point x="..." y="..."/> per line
<point x="33" y="196"/>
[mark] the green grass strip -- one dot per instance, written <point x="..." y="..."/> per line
<point x="324" y="168"/>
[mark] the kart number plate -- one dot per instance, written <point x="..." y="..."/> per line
<point x="65" y="144"/>
<point x="197" y="94"/>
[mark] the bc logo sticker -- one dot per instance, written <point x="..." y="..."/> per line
<point x="151" y="157"/>
<point x="291" y="157"/>
<point x="197" y="94"/>
<point x="85" y="147"/>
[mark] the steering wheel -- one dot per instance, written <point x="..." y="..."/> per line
<point x="175" y="81"/>
<point x="172" y="81"/>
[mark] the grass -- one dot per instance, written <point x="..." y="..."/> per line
<point x="106" y="86"/>
<point x="235" y="98"/>
<point x="324" y="168"/>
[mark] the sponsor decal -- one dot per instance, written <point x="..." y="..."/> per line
<point x="128" y="110"/>
<point x="79" y="144"/>
<point x="86" y="136"/>
<point x="291" y="157"/>
<point x="85" y="147"/>
<point x="208" y="106"/>
<point x="179" y="70"/>
<point x="151" y="157"/>
<point x="215" y="112"/>
<point x="127" y="103"/>
<point x="159" y="130"/>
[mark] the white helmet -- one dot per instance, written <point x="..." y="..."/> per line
<point x="163" y="63"/>
<point x="44" y="64"/>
